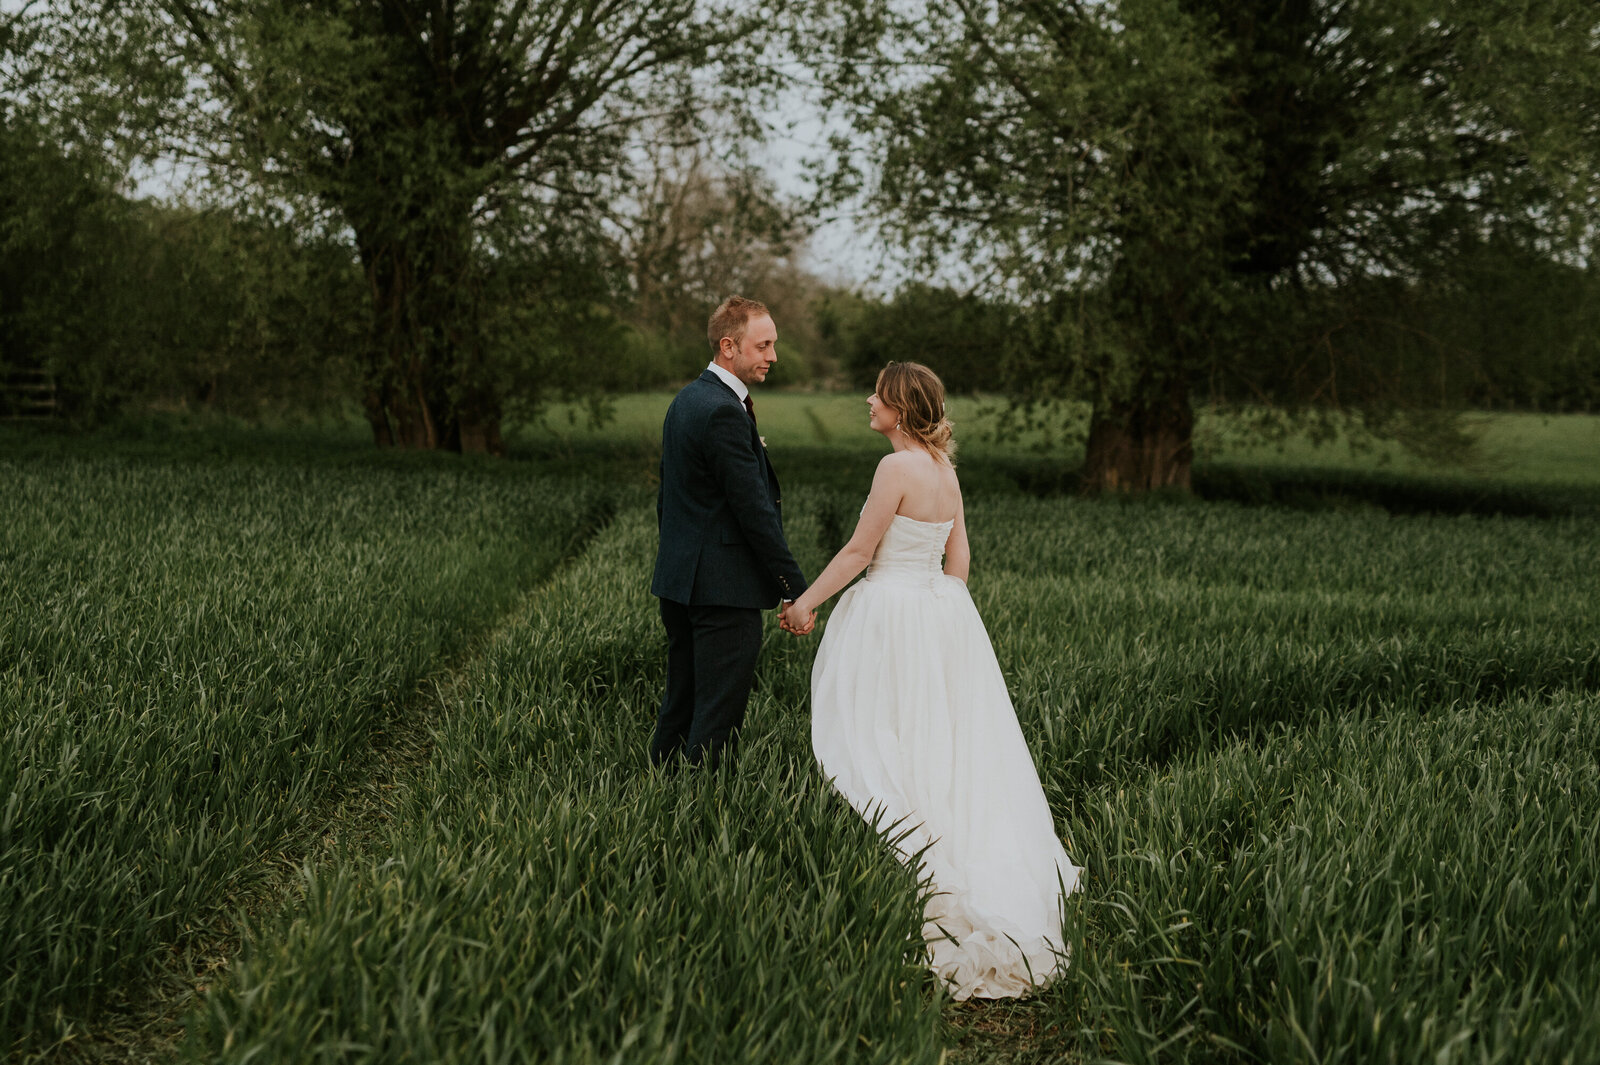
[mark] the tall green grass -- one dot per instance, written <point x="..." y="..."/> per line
<point x="1330" y="767"/>
<point x="1382" y="890"/>
<point x="1246" y="720"/>
<point x="1333" y="774"/>
<point x="544" y="896"/>
<point x="193" y="658"/>
<point x="1139" y="633"/>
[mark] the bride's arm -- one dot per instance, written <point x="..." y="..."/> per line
<point x="888" y="488"/>
<point x="957" y="552"/>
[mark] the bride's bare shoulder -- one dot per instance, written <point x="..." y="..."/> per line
<point x="892" y="469"/>
<point x="913" y="458"/>
<point x="899" y="462"/>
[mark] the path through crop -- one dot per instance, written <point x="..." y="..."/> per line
<point x="198" y="661"/>
<point x="152" y="1029"/>
<point x="150" y="1026"/>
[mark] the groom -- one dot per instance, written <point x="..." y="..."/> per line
<point x="723" y="558"/>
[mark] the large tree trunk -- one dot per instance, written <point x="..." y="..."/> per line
<point x="377" y="411"/>
<point x="1142" y="443"/>
<point x="478" y="424"/>
<point x="425" y="386"/>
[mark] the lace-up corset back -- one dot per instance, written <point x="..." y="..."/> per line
<point x="911" y="552"/>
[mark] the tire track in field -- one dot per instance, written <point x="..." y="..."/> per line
<point x="145" y="1024"/>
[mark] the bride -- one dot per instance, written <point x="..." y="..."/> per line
<point x="912" y="722"/>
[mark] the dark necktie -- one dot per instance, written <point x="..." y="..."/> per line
<point x="750" y="408"/>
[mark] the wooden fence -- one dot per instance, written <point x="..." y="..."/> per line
<point x="27" y="395"/>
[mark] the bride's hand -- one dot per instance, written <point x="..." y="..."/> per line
<point x="797" y="620"/>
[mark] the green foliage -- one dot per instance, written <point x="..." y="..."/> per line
<point x="1361" y="890"/>
<point x="1504" y="327"/>
<point x="1226" y="723"/>
<point x="1207" y="197"/>
<point x="453" y="146"/>
<point x="543" y="316"/>
<point x="534" y="209"/>
<point x="127" y="303"/>
<point x="1526" y="329"/>
<point x="1328" y="771"/>
<point x="650" y="359"/>
<point x="56" y="211"/>
<point x="967" y="340"/>
<point x="238" y="315"/>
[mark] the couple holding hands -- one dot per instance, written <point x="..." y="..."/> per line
<point x="911" y="720"/>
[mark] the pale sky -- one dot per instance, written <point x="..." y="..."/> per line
<point x="844" y="249"/>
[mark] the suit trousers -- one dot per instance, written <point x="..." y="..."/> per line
<point x="711" y="665"/>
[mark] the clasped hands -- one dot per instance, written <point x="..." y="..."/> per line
<point x="795" y="621"/>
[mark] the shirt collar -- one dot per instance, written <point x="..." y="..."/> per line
<point x="738" y="386"/>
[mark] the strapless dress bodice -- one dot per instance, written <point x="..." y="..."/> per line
<point x="911" y="552"/>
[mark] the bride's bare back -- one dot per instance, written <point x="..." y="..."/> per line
<point x="932" y="492"/>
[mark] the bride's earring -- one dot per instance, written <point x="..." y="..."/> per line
<point x="897" y="425"/>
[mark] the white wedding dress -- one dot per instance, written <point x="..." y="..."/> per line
<point x="912" y="722"/>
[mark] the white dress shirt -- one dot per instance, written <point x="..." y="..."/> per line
<point x="738" y="386"/>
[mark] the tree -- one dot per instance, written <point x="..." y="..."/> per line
<point x="699" y="231"/>
<point x="447" y="139"/>
<point x="64" y="230"/>
<point x="123" y="300"/>
<point x="127" y="302"/>
<point x="1189" y="192"/>
<point x="1542" y="318"/>
<point x="956" y="333"/>
<point x="700" y="228"/>
<point x="58" y="219"/>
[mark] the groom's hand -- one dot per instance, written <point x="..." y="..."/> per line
<point x="791" y="621"/>
<point x="787" y="622"/>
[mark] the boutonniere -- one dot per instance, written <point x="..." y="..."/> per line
<point x="763" y="441"/>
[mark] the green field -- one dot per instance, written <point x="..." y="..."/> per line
<point x="321" y="754"/>
<point x="1543" y="449"/>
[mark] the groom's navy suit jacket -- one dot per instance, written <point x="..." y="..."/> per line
<point x="719" y="509"/>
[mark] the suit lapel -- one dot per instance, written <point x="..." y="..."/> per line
<point x="755" y="435"/>
<point x="761" y="449"/>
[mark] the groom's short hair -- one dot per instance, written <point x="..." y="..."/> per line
<point x="729" y="320"/>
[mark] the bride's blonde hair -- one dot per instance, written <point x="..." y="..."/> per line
<point x="918" y="394"/>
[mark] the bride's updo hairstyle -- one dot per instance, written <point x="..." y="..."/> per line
<point x="918" y="394"/>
